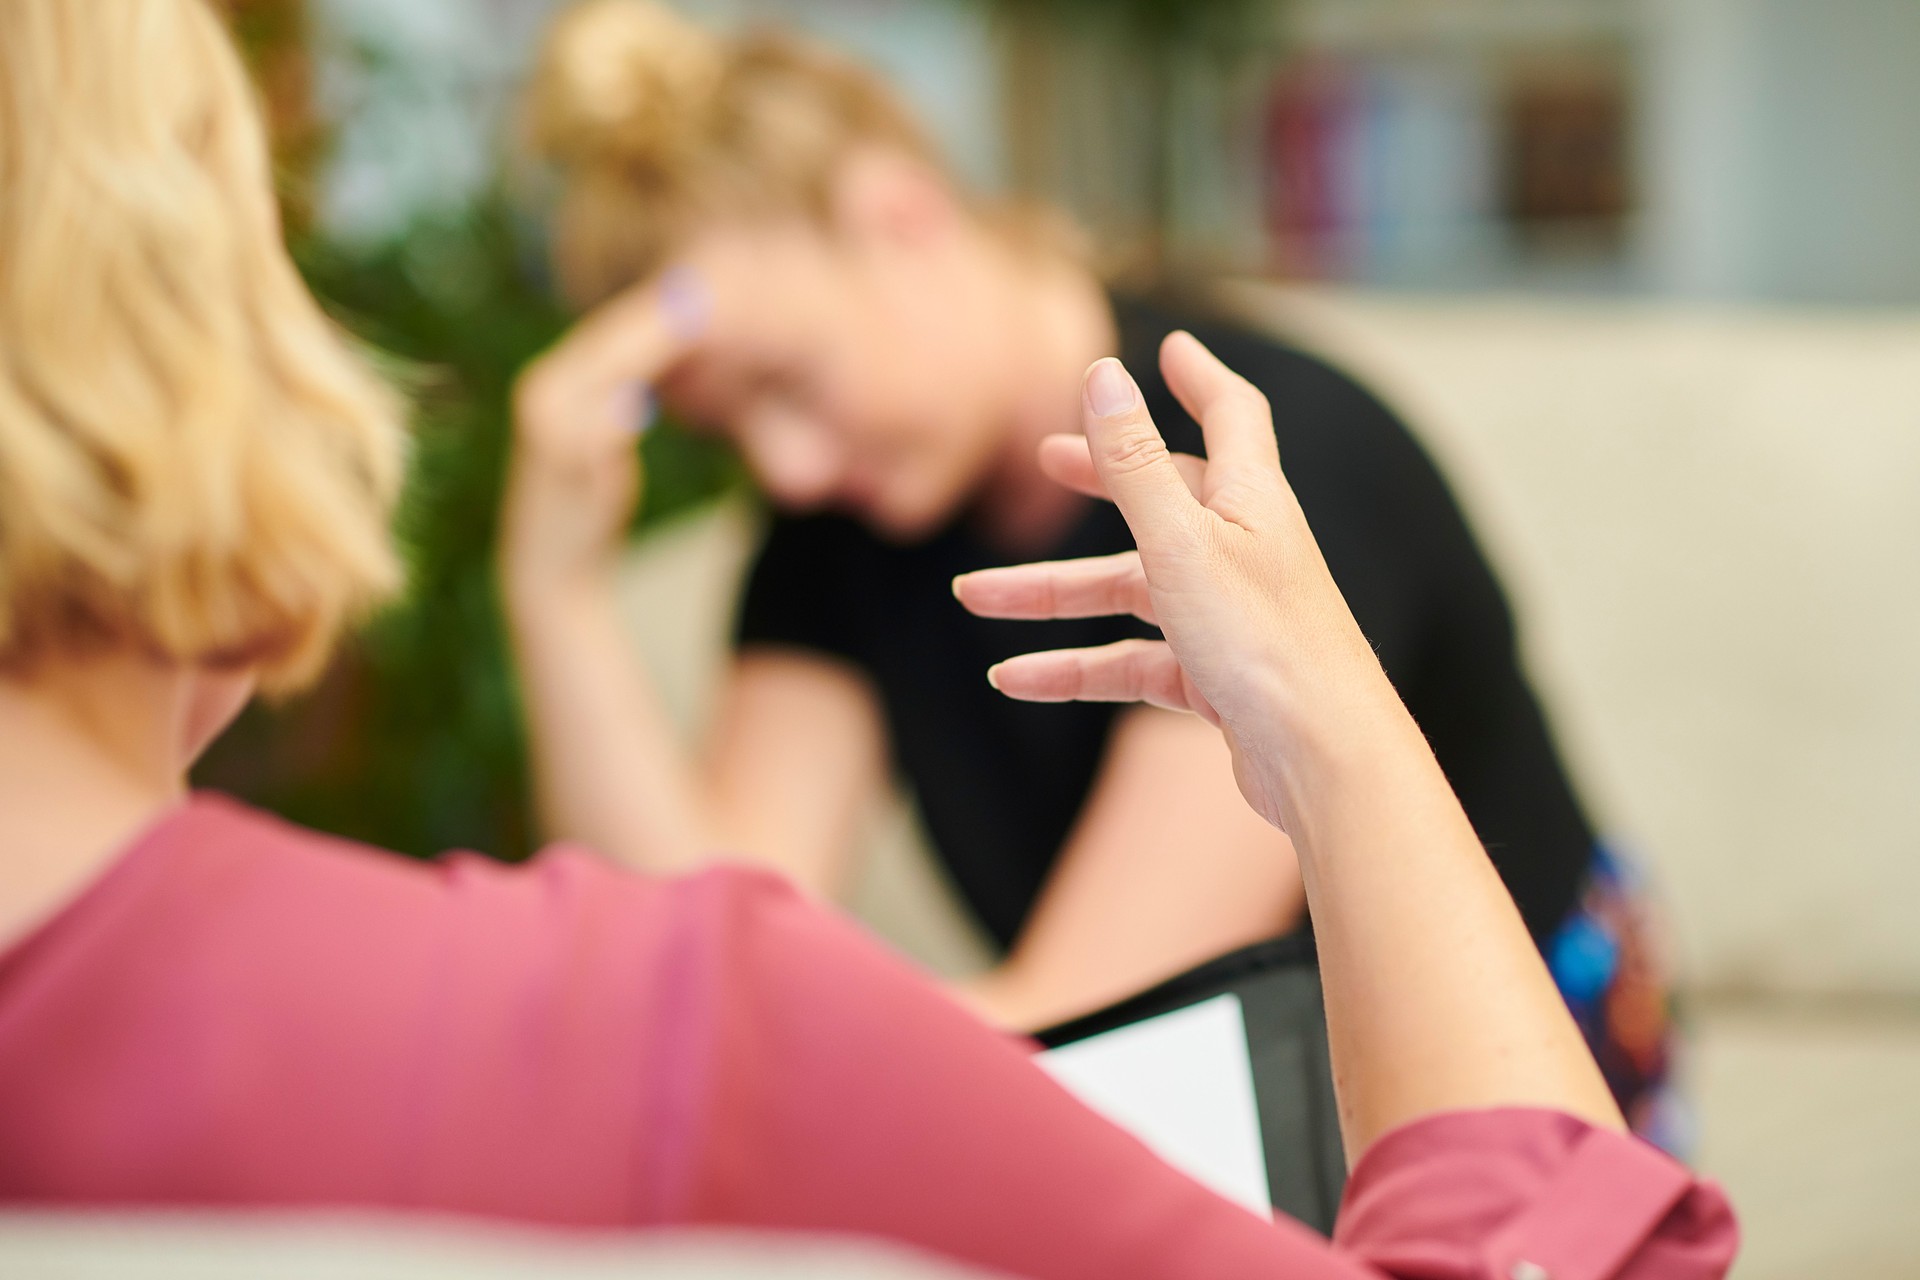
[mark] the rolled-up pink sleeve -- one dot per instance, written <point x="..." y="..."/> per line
<point x="1531" y="1195"/>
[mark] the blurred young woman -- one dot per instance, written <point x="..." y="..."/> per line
<point x="201" y="1006"/>
<point x="886" y="352"/>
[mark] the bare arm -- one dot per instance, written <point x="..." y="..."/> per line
<point x="607" y="769"/>
<point x="797" y="751"/>
<point x="1436" y="998"/>
<point x="793" y="759"/>
<point x="1166" y="868"/>
<point x="797" y="756"/>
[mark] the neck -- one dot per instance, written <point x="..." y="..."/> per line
<point x="91" y="752"/>
<point x="1060" y="321"/>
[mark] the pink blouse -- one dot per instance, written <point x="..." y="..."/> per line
<point x="243" y="1013"/>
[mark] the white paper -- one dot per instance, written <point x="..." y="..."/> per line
<point x="1182" y="1083"/>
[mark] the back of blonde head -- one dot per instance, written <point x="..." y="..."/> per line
<point x="659" y="127"/>
<point x="191" y="460"/>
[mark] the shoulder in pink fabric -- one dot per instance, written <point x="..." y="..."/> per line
<point x="243" y="1013"/>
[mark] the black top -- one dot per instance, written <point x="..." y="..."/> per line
<point x="1000" y="783"/>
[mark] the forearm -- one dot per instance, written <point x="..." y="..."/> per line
<point x="607" y="768"/>
<point x="1436" y="997"/>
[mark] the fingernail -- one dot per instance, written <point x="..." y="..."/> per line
<point x="1110" y="389"/>
<point x="956" y="586"/>
<point x="686" y="302"/>
<point x="993" y="674"/>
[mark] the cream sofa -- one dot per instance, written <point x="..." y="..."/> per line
<point x="1710" y="521"/>
<point x="323" y="1246"/>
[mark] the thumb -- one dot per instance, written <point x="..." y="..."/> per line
<point x="1132" y="459"/>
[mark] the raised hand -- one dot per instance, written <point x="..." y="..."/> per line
<point x="1436" y="998"/>
<point x="1259" y="640"/>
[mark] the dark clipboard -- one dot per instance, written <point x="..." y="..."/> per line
<point x="1278" y="983"/>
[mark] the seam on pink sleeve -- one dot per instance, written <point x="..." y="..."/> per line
<point x="1595" y="1214"/>
<point x="690" y="1001"/>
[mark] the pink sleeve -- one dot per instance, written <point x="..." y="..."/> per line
<point x="1531" y="1195"/>
<point x="850" y="1096"/>
<point x="847" y="1095"/>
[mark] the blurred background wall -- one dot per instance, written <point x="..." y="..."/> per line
<point x="1725" y="149"/>
<point x="1645" y="274"/>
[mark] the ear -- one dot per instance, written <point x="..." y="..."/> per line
<point x="883" y="195"/>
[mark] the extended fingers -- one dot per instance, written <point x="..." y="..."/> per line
<point x="1126" y="671"/>
<point x="1092" y="588"/>
<point x="1233" y="415"/>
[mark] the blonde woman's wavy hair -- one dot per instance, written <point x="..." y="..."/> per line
<point x="192" y="461"/>
<point x="658" y="127"/>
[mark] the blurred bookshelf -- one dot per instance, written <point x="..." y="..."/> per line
<point x="1404" y="143"/>
<point x="1715" y="149"/>
<point x="1722" y="149"/>
<point x="1431" y="145"/>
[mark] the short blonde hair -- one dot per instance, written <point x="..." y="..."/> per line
<point x="192" y="460"/>
<point x="658" y="127"/>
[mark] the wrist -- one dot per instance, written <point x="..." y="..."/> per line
<point x="1322" y="735"/>
<point x="534" y="593"/>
